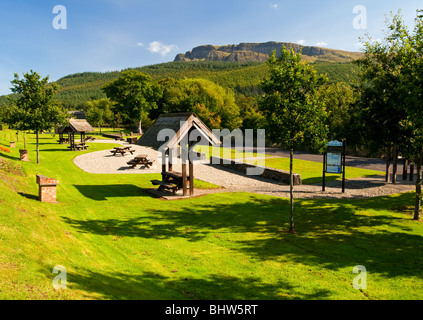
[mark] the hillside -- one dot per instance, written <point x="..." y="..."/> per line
<point x="240" y="76"/>
<point x="261" y="52"/>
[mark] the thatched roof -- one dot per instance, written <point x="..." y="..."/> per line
<point x="181" y="124"/>
<point x="77" y="126"/>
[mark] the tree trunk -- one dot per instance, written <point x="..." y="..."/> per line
<point x="418" y="188"/>
<point x="139" y="126"/>
<point x="24" y="140"/>
<point x="395" y="165"/>
<point x="38" y="148"/>
<point x="388" y="163"/>
<point x="291" y="192"/>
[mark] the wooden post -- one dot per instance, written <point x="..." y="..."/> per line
<point x="170" y="159"/>
<point x="395" y="165"/>
<point x="343" y="165"/>
<point x="405" y="169"/>
<point x="164" y="161"/>
<point x="388" y="163"/>
<point x="191" y="178"/>
<point x="324" y="172"/>
<point x="411" y="172"/>
<point x="184" y="177"/>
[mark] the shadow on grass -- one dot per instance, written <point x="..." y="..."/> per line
<point x="332" y="234"/>
<point x="102" y="192"/>
<point x="8" y="156"/>
<point x="29" y="196"/>
<point x="151" y="286"/>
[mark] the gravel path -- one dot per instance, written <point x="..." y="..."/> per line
<point x="104" y="162"/>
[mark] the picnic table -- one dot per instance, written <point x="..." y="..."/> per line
<point x="89" y="138"/>
<point x="122" y="150"/>
<point x="79" y="146"/>
<point x="63" y="140"/>
<point x="171" y="180"/>
<point x="142" y="160"/>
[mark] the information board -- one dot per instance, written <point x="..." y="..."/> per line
<point x="334" y="162"/>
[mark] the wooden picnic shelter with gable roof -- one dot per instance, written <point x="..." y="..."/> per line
<point x="75" y="126"/>
<point x="177" y="129"/>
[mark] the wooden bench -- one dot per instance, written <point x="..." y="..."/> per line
<point x="89" y="138"/>
<point x="78" y="147"/>
<point x="122" y="150"/>
<point x="142" y="160"/>
<point x="165" y="185"/>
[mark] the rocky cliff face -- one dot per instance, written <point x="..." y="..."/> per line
<point x="261" y="52"/>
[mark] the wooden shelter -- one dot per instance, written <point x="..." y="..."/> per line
<point x="170" y="135"/>
<point x="74" y="126"/>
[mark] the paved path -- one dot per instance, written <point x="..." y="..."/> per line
<point x="233" y="181"/>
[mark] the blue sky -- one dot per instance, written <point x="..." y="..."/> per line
<point x="107" y="35"/>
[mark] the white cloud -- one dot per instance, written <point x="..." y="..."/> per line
<point x="301" y="42"/>
<point x="274" y="5"/>
<point x="140" y="44"/>
<point x="321" y="44"/>
<point x="163" y="49"/>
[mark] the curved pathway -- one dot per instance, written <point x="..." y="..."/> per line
<point x="232" y="181"/>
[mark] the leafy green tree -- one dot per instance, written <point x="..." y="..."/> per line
<point x="100" y="112"/>
<point x="187" y="95"/>
<point x="35" y="108"/>
<point x="392" y="90"/>
<point x="382" y="97"/>
<point x="339" y="99"/>
<point x="134" y="94"/>
<point x="411" y="57"/>
<point x="250" y="114"/>
<point x="295" y="116"/>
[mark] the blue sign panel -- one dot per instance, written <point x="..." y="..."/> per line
<point x="334" y="162"/>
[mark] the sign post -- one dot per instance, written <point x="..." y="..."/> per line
<point x="334" y="161"/>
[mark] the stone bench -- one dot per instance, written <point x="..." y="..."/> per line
<point x="268" y="173"/>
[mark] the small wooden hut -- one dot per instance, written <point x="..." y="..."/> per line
<point x="74" y="126"/>
<point x="176" y="128"/>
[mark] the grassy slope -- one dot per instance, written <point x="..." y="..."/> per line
<point x="117" y="242"/>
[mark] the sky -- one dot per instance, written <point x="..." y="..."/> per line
<point x="60" y="37"/>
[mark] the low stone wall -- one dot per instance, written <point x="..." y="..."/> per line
<point x="268" y="173"/>
<point x="113" y="136"/>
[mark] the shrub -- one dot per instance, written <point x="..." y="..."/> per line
<point x="4" y="149"/>
<point x="11" y="167"/>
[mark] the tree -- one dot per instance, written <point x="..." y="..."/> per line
<point x="295" y="116"/>
<point x="381" y="100"/>
<point x="200" y="95"/>
<point x="252" y="117"/>
<point x="134" y="94"/>
<point x="412" y="89"/>
<point x="339" y="99"/>
<point x="393" y="89"/>
<point x="100" y="112"/>
<point x="35" y="108"/>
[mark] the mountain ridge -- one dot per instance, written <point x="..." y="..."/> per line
<point x="261" y="51"/>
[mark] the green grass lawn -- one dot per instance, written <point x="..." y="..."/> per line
<point x="311" y="172"/>
<point x="118" y="242"/>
